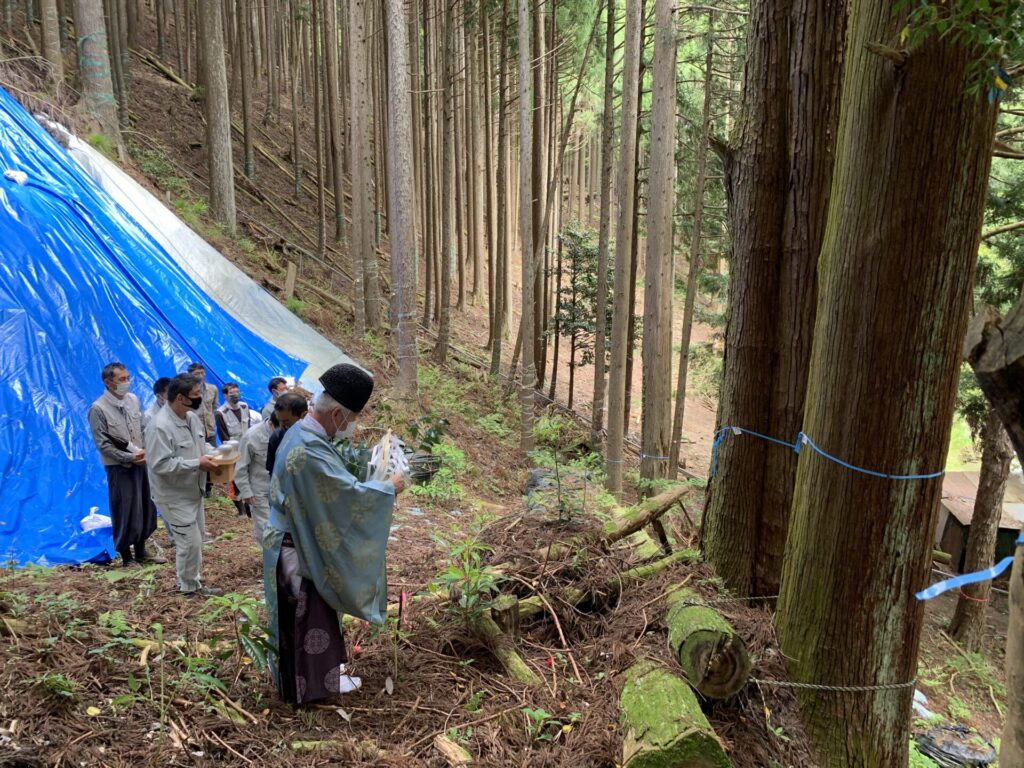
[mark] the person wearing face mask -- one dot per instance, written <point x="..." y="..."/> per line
<point x="178" y="461"/>
<point x="160" y="393"/>
<point x="233" y="420"/>
<point x="289" y="409"/>
<point x="234" y="417"/>
<point x="206" y="414"/>
<point x="324" y="545"/>
<point x="209" y="407"/>
<point x="251" y="476"/>
<point x="277" y="386"/>
<point x="116" y="422"/>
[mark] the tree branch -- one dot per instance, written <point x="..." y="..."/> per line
<point x="899" y="58"/>
<point x="1000" y="230"/>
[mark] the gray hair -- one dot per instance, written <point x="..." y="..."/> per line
<point x="325" y="404"/>
<point x="110" y="369"/>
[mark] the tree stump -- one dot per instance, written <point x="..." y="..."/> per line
<point x="662" y="723"/>
<point x="713" y="657"/>
<point x="505" y="612"/>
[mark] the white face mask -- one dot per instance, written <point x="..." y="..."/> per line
<point x="122" y="388"/>
<point x="347" y="432"/>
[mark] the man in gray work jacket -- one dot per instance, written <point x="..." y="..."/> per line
<point x="176" y="450"/>
<point x="116" y="422"/>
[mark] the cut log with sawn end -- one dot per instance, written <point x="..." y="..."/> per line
<point x="713" y="657"/>
<point x="662" y="723"/>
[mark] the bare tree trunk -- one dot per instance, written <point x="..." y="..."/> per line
<point x="318" y="129"/>
<point x="538" y="180"/>
<point x="461" y="234"/>
<point x="413" y="37"/>
<point x="114" y="21"/>
<point x="337" y="118"/>
<point x="478" y="126"/>
<point x="657" y="337"/>
<point x="634" y="256"/>
<point x="779" y="179"/>
<point x="558" y="324"/>
<point x="218" y="115"/>
<point x="695" y="254"/>
<point x="401" y="201"/>
<point x="618" y="385"/>
<point x="607" y="137"/>
<point x="993" y="348"/>
<point x="245" y="56"/>
<point x="913" y="145"/>
<point x="528" y="383"/>
<point x="359" y="141"/>
<point x="430" y="225"/>
<point x="484" y="95"/>
<point x="968" y="624"/>
<point x="501" y="225"/>
<point x="51" y="41"/>
<point x="448" y="235"/>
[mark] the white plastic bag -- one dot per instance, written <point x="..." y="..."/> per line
<point x="94" y="520"/>
<point x="388" y="458"/>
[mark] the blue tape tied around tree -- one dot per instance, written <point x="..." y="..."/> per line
<point x="801" y="440"/>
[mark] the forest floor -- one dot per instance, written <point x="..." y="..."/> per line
<point x="106" y="666"/>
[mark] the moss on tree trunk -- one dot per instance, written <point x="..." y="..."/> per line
<point x="713" y="657"/>
<point x="895" y="279"/>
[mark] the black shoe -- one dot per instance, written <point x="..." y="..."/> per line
<point x="204" y="592"/>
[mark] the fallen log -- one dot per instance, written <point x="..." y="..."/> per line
<point x="452" y="753"/>
<point x="646" y="512"/>
<point x="713" y="657"/>
<point x="625" y="524"/>
<point x="504" y="651"/>
<point x="662" y="723"/>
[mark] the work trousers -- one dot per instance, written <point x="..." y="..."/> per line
<point x="183" y="518"/>
<point x="260" y="510"/>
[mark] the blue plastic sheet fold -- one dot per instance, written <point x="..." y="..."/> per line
<point x="81" y="285"/>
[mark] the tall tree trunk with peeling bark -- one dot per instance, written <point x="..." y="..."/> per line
<point x="778" y="180"/>
<point x="693" y="271"/>
<point x="968" y="624"/>
<point x="604" y="227"/>
<point x="51" y="41"/>
<point x="336" y="117"/>
<point x="361" y="168"/>
<point x="625" y="188"/>
<point x="245" y="54"/>
<point x="448" y="234"/>
<point x="97" y="102"/>
<point x="913" y="152"/>
<point x="401" y="200"/>
<point x="501" y="256"/>
<point x="528" y="382"/>
<point x="217" y="109"/>
<point x="656" y="427"/>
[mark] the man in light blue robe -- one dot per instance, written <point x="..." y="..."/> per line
<point x="324" y="545"/>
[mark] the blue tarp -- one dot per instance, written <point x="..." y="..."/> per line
<point x="81" y="285"/>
